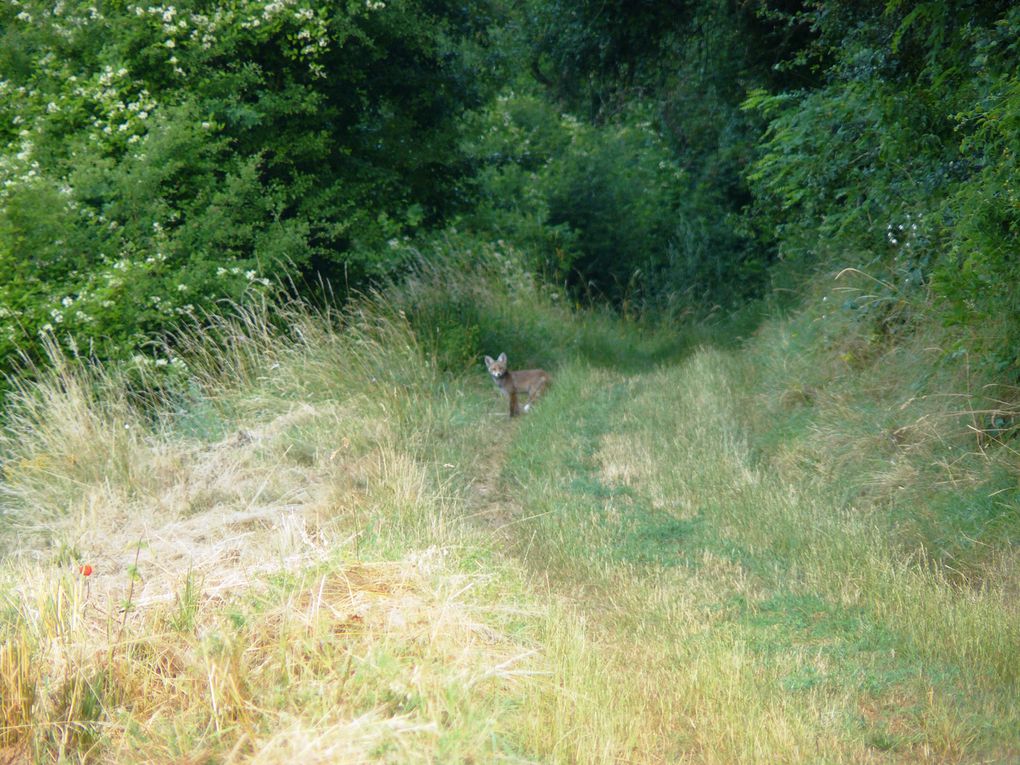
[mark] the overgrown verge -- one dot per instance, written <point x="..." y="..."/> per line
<point x="272" y="561"/>
<point x="801" y="550"/>
<point x="275" y="565"/>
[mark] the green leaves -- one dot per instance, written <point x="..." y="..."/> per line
<point x="927" y="127"/>
<point x="160" y="158"/>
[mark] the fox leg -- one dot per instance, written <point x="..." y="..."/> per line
<point x="513" y="403"/>
<point x="533" y="396"/>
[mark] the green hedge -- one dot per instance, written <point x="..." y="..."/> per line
<point x="159" y="159"/>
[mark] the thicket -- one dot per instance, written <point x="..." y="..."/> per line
<point x="903" y="161"/>
<point x="660" y="156"/>
<point x="159" y="159"/>
<point x="879" y="136"/>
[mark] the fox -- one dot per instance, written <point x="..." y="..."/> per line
<point x="530" y="382"/>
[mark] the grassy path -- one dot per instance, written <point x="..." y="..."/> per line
<point x="714" y="612"/>
<point x="375" y="565"/>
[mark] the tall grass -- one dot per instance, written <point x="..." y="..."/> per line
<point x="327" y="542"/>
<point x="807" y="540"/>
<point x="276" y="562"/>
<point x="465" y="299"/>
<point x="72" y="429"/>
<point x="736" y="615"/>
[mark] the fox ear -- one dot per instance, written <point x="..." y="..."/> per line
<point x="502" y="358"/>
<point x="488" y="361"/>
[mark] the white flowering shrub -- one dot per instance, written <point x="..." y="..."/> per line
<point x="159" y="159"/>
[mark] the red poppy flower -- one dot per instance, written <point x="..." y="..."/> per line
<point x="86" y="570"/>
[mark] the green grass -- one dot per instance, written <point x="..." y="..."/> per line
<point x="332" y="544"/>
<point x="646" y="485"/>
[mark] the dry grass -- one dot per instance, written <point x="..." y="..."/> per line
<point x="324" y="551"/>
<point x="394" y="655"/>
<point x="233" y="612"/>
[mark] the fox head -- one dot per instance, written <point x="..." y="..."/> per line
<point x="496" y="368"/>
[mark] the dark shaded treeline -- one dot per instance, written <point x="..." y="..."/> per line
<point x="664" y="156"/>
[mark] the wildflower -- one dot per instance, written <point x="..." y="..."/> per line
<point x="85" y="569"/>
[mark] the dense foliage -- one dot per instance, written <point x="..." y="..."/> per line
<point x="903" y="158"/>
<point x="880" y="136"/>
<point x="688" y="65"/>
<point x="161" y="158"/>
<point x="658" y="155"/>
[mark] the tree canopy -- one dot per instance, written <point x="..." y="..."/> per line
<point x="665" y="156"/>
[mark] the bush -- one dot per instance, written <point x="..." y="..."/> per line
<point x="595" y="206"/>
<point x="160" y="159"/>
<point x="903" y="162"/>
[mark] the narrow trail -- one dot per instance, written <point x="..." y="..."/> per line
<point x="487" y="502"/>
<point x="727" y="613"/>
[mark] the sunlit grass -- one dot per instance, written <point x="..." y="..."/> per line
<point x="327" y="543"/>
<point x="277" y="569"/>
<point x="788" y="624"/>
